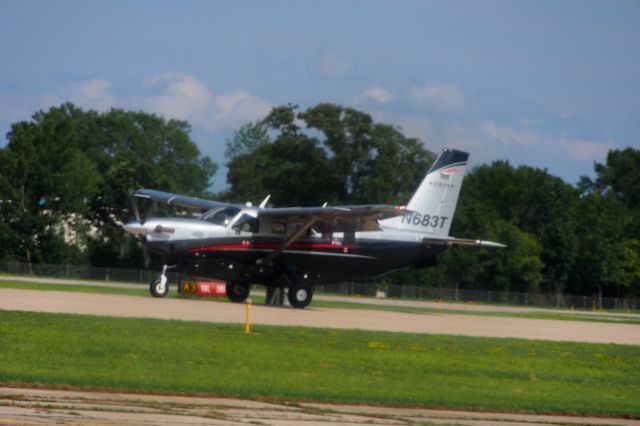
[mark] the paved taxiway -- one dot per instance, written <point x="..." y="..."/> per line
<point x="435" y="323"/>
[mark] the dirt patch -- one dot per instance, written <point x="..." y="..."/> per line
<point x="47" y="407"/>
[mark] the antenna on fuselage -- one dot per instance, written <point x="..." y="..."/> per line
<point x="264" y="202"/>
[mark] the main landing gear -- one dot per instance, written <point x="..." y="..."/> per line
<point x="238" y="291"/>
<point x="300" y="295"/>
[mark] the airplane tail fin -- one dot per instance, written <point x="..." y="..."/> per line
<point x="431" y="209"/>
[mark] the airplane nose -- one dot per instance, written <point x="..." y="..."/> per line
<point x="134" y="228"/>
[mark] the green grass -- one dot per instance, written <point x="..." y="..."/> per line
<point x="142" y="291"/>
<point x="257" y="299"/>
<point x="290" y="363"/>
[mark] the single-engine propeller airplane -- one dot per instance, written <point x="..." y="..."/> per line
<point x="300" y="247"/>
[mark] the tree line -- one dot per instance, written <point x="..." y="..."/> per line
<point x="66" y="176"/>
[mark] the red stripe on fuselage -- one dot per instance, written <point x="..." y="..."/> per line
<point x="301" y="246"/>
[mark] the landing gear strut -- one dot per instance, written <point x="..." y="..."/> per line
<point x="159" y="286"/>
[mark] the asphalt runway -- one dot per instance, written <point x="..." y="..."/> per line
<point x="202" y="310"/>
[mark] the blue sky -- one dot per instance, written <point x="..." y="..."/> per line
<point x="551" y="84"/>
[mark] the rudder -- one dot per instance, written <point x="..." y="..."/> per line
<point x="431" y="209"/>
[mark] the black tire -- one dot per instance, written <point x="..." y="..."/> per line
<point x="300" y="295"/>
<point x="238" y="291"/>
<point x="158" y="290"/>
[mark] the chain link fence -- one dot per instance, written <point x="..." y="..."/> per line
<point x="549" y="300"/>
<point x="367" y="289"/>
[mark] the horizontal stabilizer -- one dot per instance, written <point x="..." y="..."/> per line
<point x="462" y="242"/>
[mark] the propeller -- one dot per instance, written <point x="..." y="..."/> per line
<point x="134" y="206"/>
<point x="138" y="229"/>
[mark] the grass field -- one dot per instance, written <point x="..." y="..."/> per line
<point x="319" y="365"/>
<point x="143" y="292"/>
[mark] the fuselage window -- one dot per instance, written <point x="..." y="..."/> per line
<point x="278" y="228"/>
<point x="246" y="223"/>
<point x="221" y="216"/>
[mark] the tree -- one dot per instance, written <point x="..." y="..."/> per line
<point x="629" y="272"/>
<point x="540" y="206"/>
<point x="244" y="154"/>
<point x="69" y="174"/>
<point x="601" y="228"/>
<point x="295" y="171"/>
<point x="48" y="179"/>
<point x="356" y="161"/>
<point x="620" y="175"/>
<point x="394" y="169"/>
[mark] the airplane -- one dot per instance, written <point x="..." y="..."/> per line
<point x="301" y="247"/>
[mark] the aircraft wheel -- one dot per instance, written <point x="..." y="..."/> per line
<point x="158" y="287"/>
<point x="300" y="295"/>
<point x="238" y="291"/>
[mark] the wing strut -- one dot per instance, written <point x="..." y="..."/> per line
<point x="286" y="243"/>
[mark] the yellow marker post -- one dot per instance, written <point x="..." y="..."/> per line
<point x="247" y="323"/>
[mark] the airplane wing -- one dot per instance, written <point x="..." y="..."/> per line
<point x="342" y="218"/>
<point x="450" y="241"/>
<point x="177" y="200"/>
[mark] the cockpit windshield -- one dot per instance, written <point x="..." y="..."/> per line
<point x="221" y="216"/>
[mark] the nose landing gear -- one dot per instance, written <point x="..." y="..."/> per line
<point x="159" y="286"/>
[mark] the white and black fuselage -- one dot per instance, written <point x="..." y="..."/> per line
<point x="303" y="247"/>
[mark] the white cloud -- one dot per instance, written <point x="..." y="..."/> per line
<point x="459" y="135"/>
<point x="587" y="150"/>
<point x="415" y="126"/>
<point x="236" y="108"/>
<point x="375" y="93"/>
<point x="442" y="96"/>
<point x="12" y="108"/>
<point x="92" y="94"/>
<point x="331" y="65"/>
<point x="184" y="97"/>
<point x="507" y="135"/>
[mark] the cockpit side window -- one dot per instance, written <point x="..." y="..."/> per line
<point x="221" y="216"/>
<point x="246" y="223"/>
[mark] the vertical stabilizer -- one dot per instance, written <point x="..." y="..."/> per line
<point x="433" y="205"/>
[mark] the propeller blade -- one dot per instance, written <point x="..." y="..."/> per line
<point x="151" y="210"/>
<point x="134" y="206"/>
<point x="145" y="257"/>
